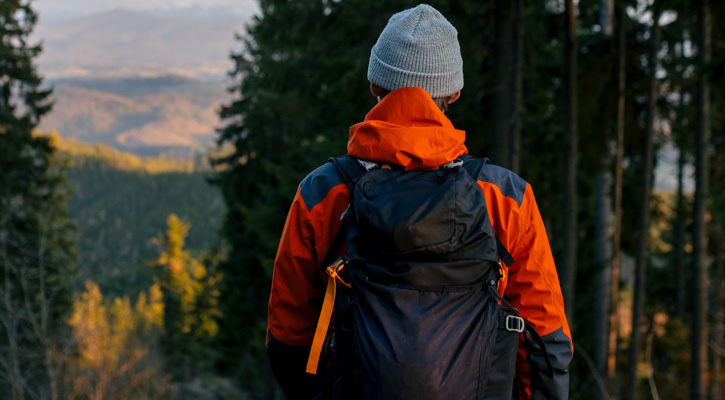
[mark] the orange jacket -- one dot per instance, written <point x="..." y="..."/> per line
<point x="407" y="129"/>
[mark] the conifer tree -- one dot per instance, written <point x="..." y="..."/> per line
<point x="300" y="83"/>
<point x="36" y="252"/>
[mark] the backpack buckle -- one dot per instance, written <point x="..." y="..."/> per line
<point x="514" y="323"/>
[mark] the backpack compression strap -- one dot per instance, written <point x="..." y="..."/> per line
<point x="323" y="323"/>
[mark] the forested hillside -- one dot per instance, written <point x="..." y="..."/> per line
<point x="120" y="202"/>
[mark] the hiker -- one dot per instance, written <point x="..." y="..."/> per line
<point x="415" y="71"/>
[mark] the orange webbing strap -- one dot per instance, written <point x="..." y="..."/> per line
<point x="328" y="305"/>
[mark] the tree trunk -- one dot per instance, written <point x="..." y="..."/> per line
<point x="517" y="83"/>
<point x="617" y="235"/>
<point x="567" y="266"/>
<point x="680" y="237"/>
<point x="603" y="299"/>
<point x="644" y="215"/>
<point x="502" y="83"/>
<point x="679" y="225"/>
<point x="606" y="17"/>
<point x="700" y="284"/>
<point x="612" y="346"/>
<point x="718" y="313"/>
<point x="603" y="231"/>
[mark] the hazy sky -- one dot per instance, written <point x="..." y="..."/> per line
<point x="54" y="9"/>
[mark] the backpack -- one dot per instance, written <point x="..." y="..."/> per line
<point x="417" y="313"/>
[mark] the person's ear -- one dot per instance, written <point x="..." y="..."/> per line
<point x="454" y="97"/>
<point x="376" y="90"/>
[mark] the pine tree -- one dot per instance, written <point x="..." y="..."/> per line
<point x="36" y="251"/>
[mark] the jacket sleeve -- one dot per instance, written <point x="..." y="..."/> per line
<point x="298" y="286"/>
<point x="530" y="284"/>
<point x="533" y="288"/>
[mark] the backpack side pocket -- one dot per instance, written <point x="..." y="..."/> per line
<point x="500" y="380"/>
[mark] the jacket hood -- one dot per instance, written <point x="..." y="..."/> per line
<point x="407" y="128"/>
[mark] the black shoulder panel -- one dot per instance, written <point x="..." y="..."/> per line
<point x="318" y="183"/>
<point x="511" y="185"/>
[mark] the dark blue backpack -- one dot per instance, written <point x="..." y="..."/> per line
<point x="418" y="314"/>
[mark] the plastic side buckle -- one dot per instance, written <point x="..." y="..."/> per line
<point x="514" y="323"/>
<point x="501" y="272"/>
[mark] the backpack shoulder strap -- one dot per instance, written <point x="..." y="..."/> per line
<point x="474" y="166"/>
<point x="350" y="169"/>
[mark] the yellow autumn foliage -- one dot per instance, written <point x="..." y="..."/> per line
<point x="115" y="341"/>
<point x="185" y="277"/>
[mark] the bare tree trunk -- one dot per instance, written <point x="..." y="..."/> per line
<point x="42" y="322"/>
<point x="567" y="266"/>
<point x="603" y="231"/>
<point x="612" y="347"/>
<point x="718" y="313"/>
<point x="11" y="360"/>
<point x="680" y="237"/>
<point x="700" y="283"/>
<point x="606" y="17"/>
<point x="36" y="306"/>
<point x="502" y="83"/>
<point x="517" y="83"/>
<point x="644" y="215"/>
<point x="603" y="299"/>
<point x="679" y="224"/>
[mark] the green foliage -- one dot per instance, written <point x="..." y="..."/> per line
<point x="36" y="250"/>
<point x="118" y="211"/>
<point x="301" y="82"/>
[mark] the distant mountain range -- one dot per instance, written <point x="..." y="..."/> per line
<point x="151" y="116"/>
<point x="66" y="10"/>
<point x="123" y="42"/>
<point x="149" y="83"/>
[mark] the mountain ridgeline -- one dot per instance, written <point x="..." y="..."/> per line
<point x="165" y="115"/>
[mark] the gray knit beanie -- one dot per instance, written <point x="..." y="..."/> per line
<point x="418" y="47"/>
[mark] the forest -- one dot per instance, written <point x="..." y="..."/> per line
<point x="592" y="102"/>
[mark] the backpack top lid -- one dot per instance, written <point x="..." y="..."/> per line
<point x="430" y="222"/>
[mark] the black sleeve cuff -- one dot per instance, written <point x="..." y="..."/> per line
<point x="288" y="365"/>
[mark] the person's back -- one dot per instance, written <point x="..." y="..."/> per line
<point x="416" y="71"/>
